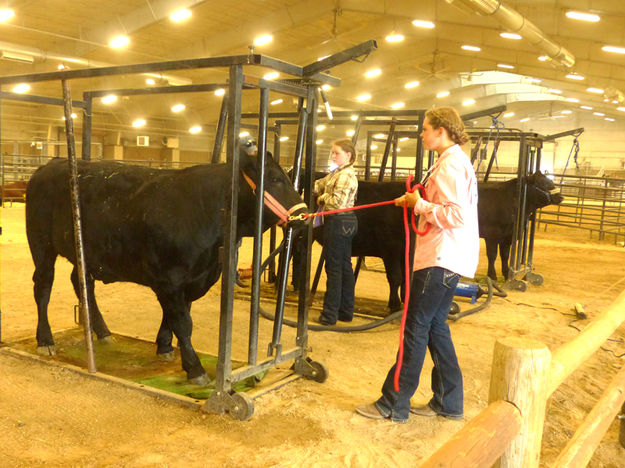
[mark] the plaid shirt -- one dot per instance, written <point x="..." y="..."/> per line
<point x="338" y="189"/>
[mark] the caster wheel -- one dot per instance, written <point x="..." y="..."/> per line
<point x="519" y="285"/>
<point x="535" y="279"/>
<point x="454" y="308"/>
<point x="319" y="372"/>
<point x="242" y="407"/>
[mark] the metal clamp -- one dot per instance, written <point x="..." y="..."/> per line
<point x="299" y="217"/>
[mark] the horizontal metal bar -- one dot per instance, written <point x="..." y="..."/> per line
<point x="577" y="132"/>
<point x="158" y="90"/>
<point x="350" y="122"/>
<point x="38" y="99"/>
<point x="279" y="87"/>
<point x="353" y="53"/>
<point x="248" y="371"/>
<point x="484" y="112"/>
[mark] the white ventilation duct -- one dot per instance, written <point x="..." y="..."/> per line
<point x="513" y="21"/>
<point x="21" y="53"/>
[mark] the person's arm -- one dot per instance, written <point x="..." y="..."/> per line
<point x="346" y="183"/>
<point x="453" y="186"/>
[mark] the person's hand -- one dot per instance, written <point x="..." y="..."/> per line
<point x="409" y="199"/>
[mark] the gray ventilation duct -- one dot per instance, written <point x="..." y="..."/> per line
<point x="513" y="21"/>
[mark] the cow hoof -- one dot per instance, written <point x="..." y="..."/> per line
<point x="201" y="380"/>
<point x="106" y="340"/>
<point x="46" y="350"/>
<point x="167" y="357"/>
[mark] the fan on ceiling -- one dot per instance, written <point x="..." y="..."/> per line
<point x="433" y="66"/>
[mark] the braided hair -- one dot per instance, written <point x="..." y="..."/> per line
<point x="449" y="119"/>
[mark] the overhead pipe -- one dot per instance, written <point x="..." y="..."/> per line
<point x="513" y="21"/>
<point x="42" y="56"/>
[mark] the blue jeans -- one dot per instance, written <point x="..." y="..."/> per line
<point x="431" y="293"/>
<point x="338" y="232"/>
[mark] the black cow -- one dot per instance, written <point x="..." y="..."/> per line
<point x="158" y="228"/>
<point x="380" y="233"/>
<point x="497" y="202"/>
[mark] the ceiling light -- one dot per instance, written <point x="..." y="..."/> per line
<point x="622" y="109"/>
<point x="243" y="134"/>
<point x="394" y="37"/>
<point x="318" y="142"/>
<point x="220" y="92"/>
<point x="354" y="117"/>
<point x="195" y="129"/>
<point x="398" y="105"/>
<point x="374" y="147"/>
<point x="615" y="101"/>
<point x="471" y="48"/>
<point x="543" y="58"/>
<point x="16" y="56"/>
<point x="73" y="116"/>
<point x="263" y="39"/>
<point x="555" y="91"/>
<point x="506" y="66"/>
<point x="508" y="114"/>
<point x="6" y="14"/>
<point x="277" y="101"/>
<point x="284" y="138"/>
<point x="411" y="84"/>
<point x="271" y="76"/>
<point x="380" y="135"/>
<point x="111" y="98"/>
<point x="119" y="41"/>
<point x="180" y="15"/>
<point x="178" y="108"/>
<point x="403" y="139"/>
<point x="363" y="97"/>
<point x="575" y="76"/>
<point x="138" y="123"/>
<point x="423" y="24"/>
<point x="326" y="87"/>
<point x="60" y="66"/>
<point x="442" y="94"/>
<point x="468" y="102"/>
<point x="508" y="35"/>
<point x="373" y="73"/>
<point x="599" y="114"/>
<point x="21" y="88"/>
<point x="566" y="111"/>
<point x="609" y="119"/>
<point x="321" y="128"/>
<point x="585" y="107"/>
<point x="534" y="80"/>
<point x="571" y="99"/>
<point x="350" y="132"/>
<point x="150" y="81"/>
<point x="578" y="15"/>
<point x="526" y="119"/>
<point x="616" y="50"/>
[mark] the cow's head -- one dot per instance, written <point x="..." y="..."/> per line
<point x="281" y="199"/>
<point x="541" y="191"/>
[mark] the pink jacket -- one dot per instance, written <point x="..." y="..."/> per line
<point x="451" y="210"/>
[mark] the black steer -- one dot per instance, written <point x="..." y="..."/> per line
<point x="158" y="228"/>
<point x="497" y="202"/>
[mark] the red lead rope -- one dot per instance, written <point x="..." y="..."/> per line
<point x="400" y="353"/>
<point x="421" y="188"/>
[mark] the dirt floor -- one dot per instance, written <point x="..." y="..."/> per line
<point x="50" y="416"/>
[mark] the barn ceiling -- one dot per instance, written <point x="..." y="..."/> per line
<point x="44" y="34"/>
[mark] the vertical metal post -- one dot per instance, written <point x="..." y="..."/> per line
<point x="258" y="237"/>
<point x="87" y="114"/>
<point x="530" y="253"/>
<point x="221" y="126"/>
<point x="387" y="149"/>
<point x="224" y="364"/>
<point x="394" y="160"/>
<point x="368" y="157"/>
<point x="513" y="262"/>
<point x="76" y="215"/>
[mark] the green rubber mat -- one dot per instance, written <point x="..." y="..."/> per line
<point x="135" y="360"/>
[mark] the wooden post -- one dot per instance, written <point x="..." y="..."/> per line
<point x="482" y="441"/>
<point x="582" y="446"/>
<point x="519" y="376"/>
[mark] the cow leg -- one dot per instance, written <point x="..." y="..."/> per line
<point x="98" y="325"/>
<point x="164" y="347"/>
<point x="392" y="265"/>
<point x="491" y="254"/>
<point x="504" y="251"/>
<point x="43" y="277"/>
<point x="177" y="318"/>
